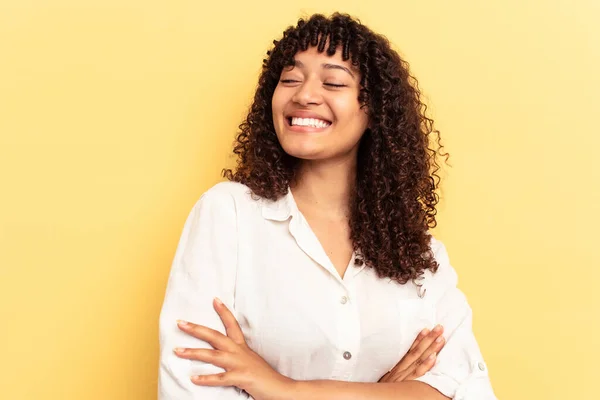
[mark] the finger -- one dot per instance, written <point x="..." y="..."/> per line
<point x="426" y="342"/>
<point x="420" y="366"/>
<point x="415" y="357"/>
<point x="424" y="367"/>
<point x="433" y="349"/>
<point x="221" y="379"/>
<point x="234" y="332"/>
<point x="215" y="338"/>
<point x="210" y="356"/>
<point x="399" y="375"/>
<point x="417" y="350"/>
<point x="385" y="378"/>
<point x="419" y="337"/>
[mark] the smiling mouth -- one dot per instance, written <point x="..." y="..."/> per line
<point x="314" y="123"/>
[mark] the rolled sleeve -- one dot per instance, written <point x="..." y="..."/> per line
<point x="460" y="372"/>
<point x="204" y="267"/>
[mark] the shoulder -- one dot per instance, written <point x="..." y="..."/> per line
<point x="439" y="252"/>
<point x="226" y="197"/>
<point x="226" y="194"/>
<point x="445" y="277"/>
<point x="224" y="190"/>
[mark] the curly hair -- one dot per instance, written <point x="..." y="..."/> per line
<point x="394" y="201"/>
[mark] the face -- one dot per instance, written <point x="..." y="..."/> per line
<point x="315" y="106"/>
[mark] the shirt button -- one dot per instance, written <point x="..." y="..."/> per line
<point x="347" y="355"/>
<point x="481" y="366"/>
<point x="343" y="300"/>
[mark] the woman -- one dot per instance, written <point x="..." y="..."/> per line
<point x="319" y="243"/>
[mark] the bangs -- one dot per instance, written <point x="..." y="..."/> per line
<point x="326" y="34"/>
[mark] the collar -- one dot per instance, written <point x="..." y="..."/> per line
<point x="281" y="209"/>
<point x="286" y="208"/>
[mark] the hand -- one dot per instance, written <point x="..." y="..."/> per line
<point x="243" y="367"/>
<point x="420" y="358"/>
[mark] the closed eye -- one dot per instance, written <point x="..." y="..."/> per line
<point x="336" y="85"/>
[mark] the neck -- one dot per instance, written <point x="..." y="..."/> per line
<point x="325" y="187"/>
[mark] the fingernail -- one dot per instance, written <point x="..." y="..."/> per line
<point x="179" y="350"/>
<point x="425" y="332"/>
<point x="219" y="302"/>
<point x="439" y="339"/>
<point x="432" y="356"/>
<point x="437" y="328"/>
<point x="181" y="322"/>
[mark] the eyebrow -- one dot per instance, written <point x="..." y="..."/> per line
<point x="299" y="64"/>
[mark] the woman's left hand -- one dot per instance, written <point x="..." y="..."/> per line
<point x="243" y="367"/>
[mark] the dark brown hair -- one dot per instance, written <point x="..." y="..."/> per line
<point x="395" y="197"/>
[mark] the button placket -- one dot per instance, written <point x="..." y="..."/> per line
<point x="348" y="334"/>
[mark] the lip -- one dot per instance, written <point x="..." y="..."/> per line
<point x="305" y="114"/>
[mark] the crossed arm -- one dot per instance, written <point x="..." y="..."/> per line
<point x="246" y="370"/>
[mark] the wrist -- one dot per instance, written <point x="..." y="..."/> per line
<point x="280" y="387"/>
<point x="288" y="388"/>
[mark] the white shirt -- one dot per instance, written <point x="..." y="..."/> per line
<point x="262" y="259"/>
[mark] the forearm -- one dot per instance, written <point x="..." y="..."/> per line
<point x="338" y="390"/>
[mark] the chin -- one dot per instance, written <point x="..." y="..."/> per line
<point x="305" y="155"/>
<point x="304" y="151"/>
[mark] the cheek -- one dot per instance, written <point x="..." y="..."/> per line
<point x="278" y="100"/>
<point x="363" y="118"/>
<point x="349" y="114"/>
<point x="274" y="104"/>
<point x="345" y="108"/>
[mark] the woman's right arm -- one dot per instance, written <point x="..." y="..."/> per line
<point x="204" y="267"/>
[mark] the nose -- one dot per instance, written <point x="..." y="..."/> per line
<point x="309" y="92"/>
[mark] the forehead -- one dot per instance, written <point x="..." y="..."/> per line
<point x="312" y="58"/>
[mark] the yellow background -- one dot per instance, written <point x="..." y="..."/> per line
<point x="115" y="115"/>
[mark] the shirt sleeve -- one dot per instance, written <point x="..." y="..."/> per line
<point x="460" y="372"/>
<point x="204" y="266"/>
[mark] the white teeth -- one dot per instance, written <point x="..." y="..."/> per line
<point x="311" y="122"/>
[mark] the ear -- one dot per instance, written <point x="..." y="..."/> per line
<point x="365" y="109"/>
